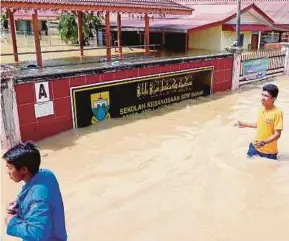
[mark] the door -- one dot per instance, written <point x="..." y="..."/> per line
<point x="254" y="41"/>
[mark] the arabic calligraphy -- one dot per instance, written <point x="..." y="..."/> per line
<point x="164" y="85"/>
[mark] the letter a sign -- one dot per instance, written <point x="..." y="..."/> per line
<point x="42" y="92"/>
<point x="43" y="105"/>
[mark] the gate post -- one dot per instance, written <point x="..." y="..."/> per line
<point x="236" y="71"/>
<point x="10" y="131"/>
<point x="285" y="49"/>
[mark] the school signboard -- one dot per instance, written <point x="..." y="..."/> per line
<point x="255" y="68"/>
<point x="120" y="98"/>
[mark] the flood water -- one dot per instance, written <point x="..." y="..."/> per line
<point x="176" y="174"/>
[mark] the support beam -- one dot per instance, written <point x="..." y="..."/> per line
<point x="119" y="34"/>
<point x="238" y="25"/>
<point x="48" y="31"/>
<point x="187" y="42"/>
<point x="37" y="38"/>
<point x="280" y="37"/>
<point x="107" y="36"/>
<point x="259" y="39"/>
<point x="13" y="34"/>
<point x="140" y="38"/>
<point x="80" y="32"/>
<point x="147" y="35"/>
<point x="163" y="39"/>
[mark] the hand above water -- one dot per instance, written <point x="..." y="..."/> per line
<point x="259" y="144"/>
<point x="240" y="124"/>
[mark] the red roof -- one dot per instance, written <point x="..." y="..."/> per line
<point x="278" y="10"/>
<point x="247" y="27"/>
<point x="136" y="6"/>
<point x="203" y="16"/>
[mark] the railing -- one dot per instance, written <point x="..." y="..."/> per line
<point x="26" y="38"/>
<point x="52" y="46"/>
<point x="131" y="47"/>
<point x="261" y="64"/>
<point x="62" y="57"/>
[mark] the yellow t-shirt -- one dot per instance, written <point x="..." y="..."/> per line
<point x="267" y="123"/>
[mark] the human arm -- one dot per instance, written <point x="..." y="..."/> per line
<point x="278" y="127"/>
<point x="242" y="124"/>
<point x="270" y="139"/>
<point x="36" y="224"/>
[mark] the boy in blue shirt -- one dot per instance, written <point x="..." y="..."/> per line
<point x="38" y="212"/>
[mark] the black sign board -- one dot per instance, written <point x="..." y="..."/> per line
<point x="126" y="97"/>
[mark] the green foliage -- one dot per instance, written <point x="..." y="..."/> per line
<point x="4" y="21"/>
<point x="68" y="30"/>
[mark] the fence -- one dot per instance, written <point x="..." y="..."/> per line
<point x="52" y="47"/>
<point x="69" y="55"/>
<point x="26" y="39"/>
<point x="261" y="64"/>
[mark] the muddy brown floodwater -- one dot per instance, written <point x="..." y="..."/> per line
<point x="176" y="174"/>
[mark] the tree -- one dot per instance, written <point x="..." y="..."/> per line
<point x="4" y="21"/>
<point x="68" y="30"/>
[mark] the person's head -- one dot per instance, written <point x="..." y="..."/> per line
<point x="269" y="95"/>
<point x="22" y="161"/>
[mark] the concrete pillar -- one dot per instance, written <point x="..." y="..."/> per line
<point x="9" y="119"/>
<point x="236" y="71"/>
<point x="285" y="49"/>
<point x="259" y="39"/>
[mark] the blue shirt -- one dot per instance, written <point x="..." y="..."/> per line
<point x="40" y="215"/>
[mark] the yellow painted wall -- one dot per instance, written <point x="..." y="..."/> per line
<point x="216" y="39"/>
<point x="229" y="37"/>
<point x="206" y="39"/>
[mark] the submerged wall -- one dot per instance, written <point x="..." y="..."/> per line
<point x="45" y="102"/>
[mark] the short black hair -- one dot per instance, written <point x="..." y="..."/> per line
<point x="271" y="89"/>
<point x="24" y="155"/>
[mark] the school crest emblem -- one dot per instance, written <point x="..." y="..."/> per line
<point x="100" y="106"/>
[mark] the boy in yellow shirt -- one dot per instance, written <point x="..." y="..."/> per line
<point x="269" y="125"/>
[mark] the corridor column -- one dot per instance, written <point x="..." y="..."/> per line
<point x="147" y="35"/>
<point x="37" y="38"/>
<point x="107" y="37"/>
<point x="13" y="34"/>
<point x="119" y="34"/>
<point x="80" y="32"/>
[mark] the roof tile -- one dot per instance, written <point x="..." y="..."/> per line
<point x="133" y="4"/>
